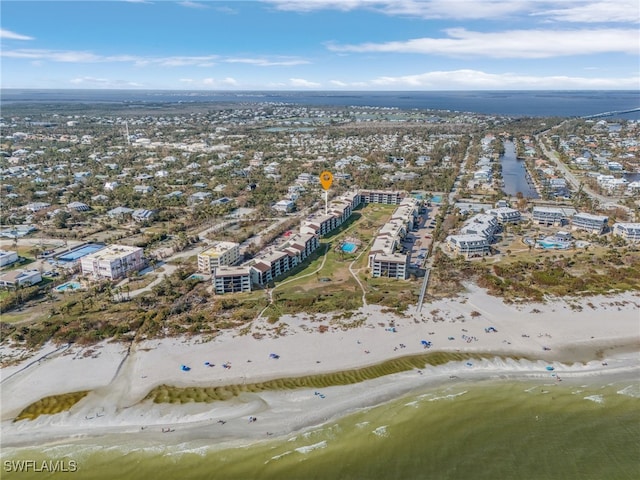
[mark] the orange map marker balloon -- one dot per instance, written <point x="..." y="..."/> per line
<point x="326" y="179"/>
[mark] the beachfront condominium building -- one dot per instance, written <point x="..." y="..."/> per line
<point x="269" y="266"/>
<point x="112" y="262"/>
<point x="7" y="257"/>
<point x="469" y="246"/>
<point x="395" y="265"/>
<point x="219" y="254"/>
<point x="481" y="224"/>
<point x="505" y="215"/>
<point x="387" y="197"/>
<point x="384" y="261"/>
<point x="629" y="231"/>
<point x="590" y="223"/>
<point x="548" y="216"/>
<point x="228" y="279"/>
<point x="266" y="267"/>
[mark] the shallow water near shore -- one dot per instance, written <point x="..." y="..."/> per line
<point x="535" y="429"/>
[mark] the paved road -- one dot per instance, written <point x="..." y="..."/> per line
<point x="554" y="157"/>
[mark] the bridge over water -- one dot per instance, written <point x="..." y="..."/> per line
<point x="612" y="113"/>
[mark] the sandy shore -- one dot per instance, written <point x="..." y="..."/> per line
<point x="592" y="336"/>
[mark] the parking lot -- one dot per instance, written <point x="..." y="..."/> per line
<point x="418" y="241"/>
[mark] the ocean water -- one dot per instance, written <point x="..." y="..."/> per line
<point x="492" y="429"/>
<point x="516" y="103"/>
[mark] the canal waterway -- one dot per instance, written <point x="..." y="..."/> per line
<point x="514" y="173"/>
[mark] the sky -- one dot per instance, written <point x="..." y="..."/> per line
<point x="361" y="45"/>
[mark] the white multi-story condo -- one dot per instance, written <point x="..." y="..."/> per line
<point x="395" y="265"/>
<point x="506" y="214"/>
<point x="268" y="266"/>
<point x="482" y="224"/>
<point x="7" y="257"/>
<point x="590" y="223"/>
<point x="468" y="245"/>
<point x="112" y="262"/>
<point x="384" y="261"/>
<point x="387" y="197"/>
<point x="232" y="279"/>
<point x="548" y="216"/>
<point x="219" y="254"/>
<point x="629" y="231"/>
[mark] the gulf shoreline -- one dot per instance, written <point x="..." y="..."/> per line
<point x="579" y="341"/>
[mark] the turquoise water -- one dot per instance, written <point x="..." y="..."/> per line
<point x="349" y="247"/>
<point x="551" y="245"/>
<point x="80" y="252"/>
<point x="474" y="430"/>
<point x="436" y="199"/>
<point x="195" y="276"/>
<point x="68" y="286"/>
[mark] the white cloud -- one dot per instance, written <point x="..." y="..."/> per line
<point x="262" y="62"/>
<point x="9" y="35"/>
<point x="338" y="83"/>
<point x="103" y="82"/>
<point x="72" y="56"/>
<point x="624" y="11"/>
<point x="302" y="83"/>
<point x="478" y="80"/>
<point x="225" y="82"/>
<point x="456" y="9"/>
<point x="190" y="4"/>
<point x="511" y="44"/>
<point x="200" y="61"/>
<point x="566" y="10"/>
<point x="52" y="55"/>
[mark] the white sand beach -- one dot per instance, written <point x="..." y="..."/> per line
<point x="579" y="337"/>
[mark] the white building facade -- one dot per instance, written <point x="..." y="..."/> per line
<point x="218" y="255"/>
<point x="112" y="262"/>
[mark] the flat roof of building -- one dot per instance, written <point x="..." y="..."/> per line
<point x="218" y="249"/>
<point x="112" y="252"/>
<point x="232" y="271"/>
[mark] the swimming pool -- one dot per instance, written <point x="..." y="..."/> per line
<point x="68" y="286"/>
<point x="74" y="255"/>
<point x="436" y="199"/>
<point x="196" y="276"/>
<point x="546" y="244"/>
<point x="349" y="247"/>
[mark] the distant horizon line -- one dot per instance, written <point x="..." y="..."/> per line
<point x="310" y="90"/>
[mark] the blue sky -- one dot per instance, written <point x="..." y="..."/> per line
<point x="321" y="44"/>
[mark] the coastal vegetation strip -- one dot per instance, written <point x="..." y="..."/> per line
<point x="51" y="405"/>
<point x="178" y="395"/>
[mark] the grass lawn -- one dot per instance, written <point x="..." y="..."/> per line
<point x="325" y="284"/>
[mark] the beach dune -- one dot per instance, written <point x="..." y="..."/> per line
<point x="577" y="336"/>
